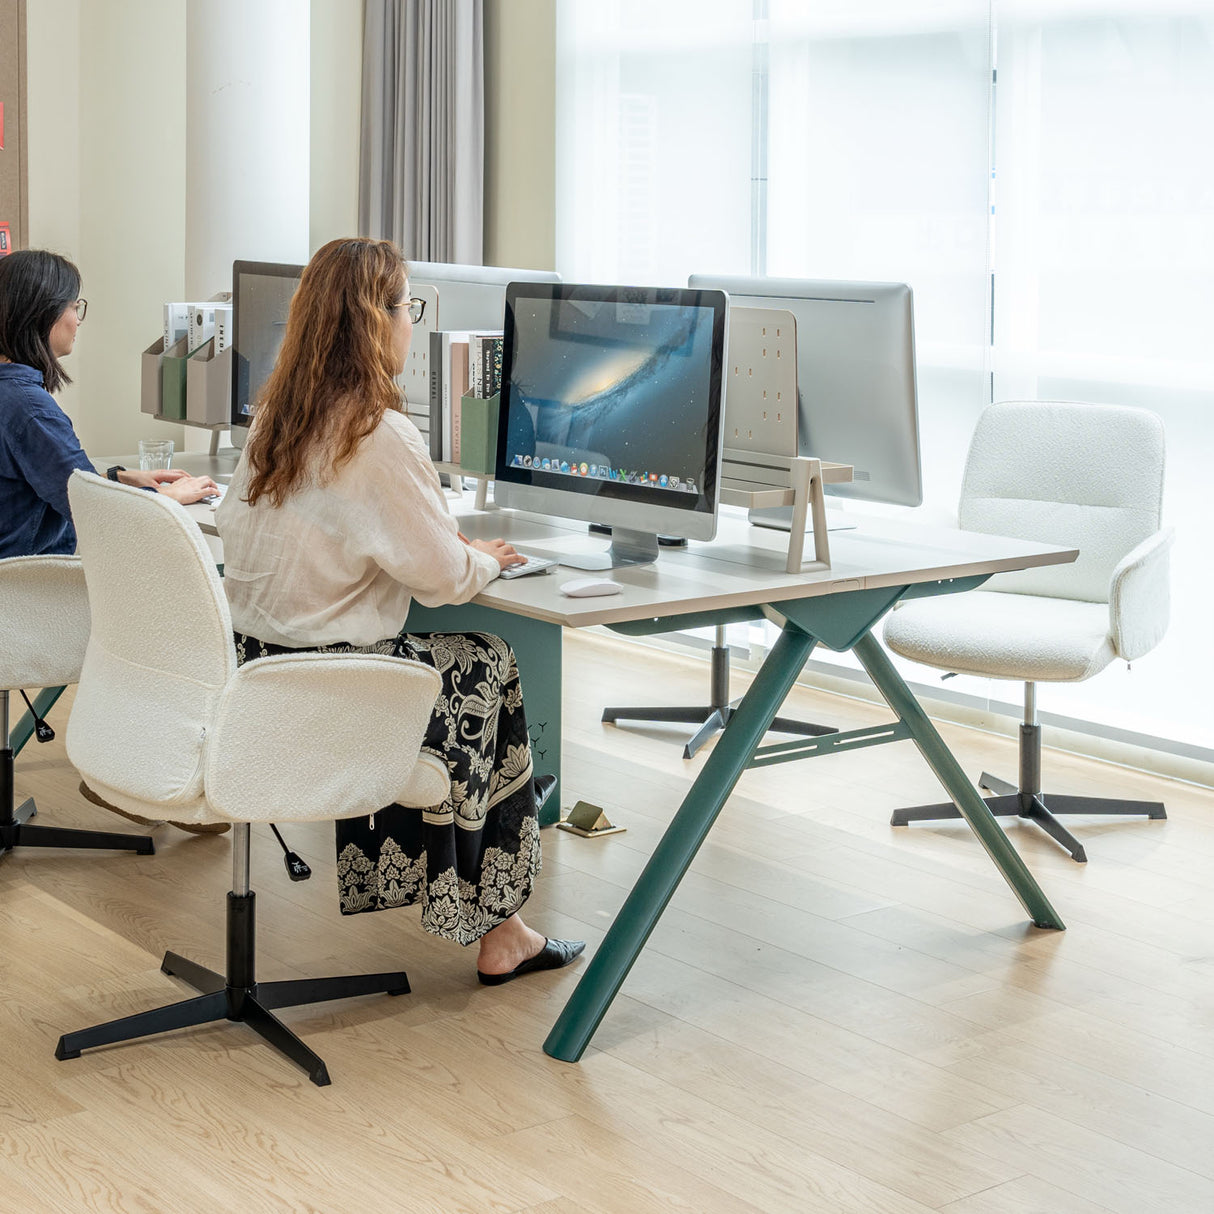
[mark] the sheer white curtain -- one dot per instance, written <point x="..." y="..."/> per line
<point x="653" y="139"/>
<point x="877" y="163"/>
<point x="866" y="139"/>
<point x="1104" y="280"/>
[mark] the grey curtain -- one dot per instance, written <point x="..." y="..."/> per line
<point x="422" y="157"/>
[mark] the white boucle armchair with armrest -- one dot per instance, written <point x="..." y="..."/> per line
<point x="166" y="725"/>
<point x="1086" y="475"/>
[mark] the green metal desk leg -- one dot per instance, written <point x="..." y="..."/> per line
<point x="25" y="727"/>
<point x="678" y="846"/>
<point x="965" y="796"/>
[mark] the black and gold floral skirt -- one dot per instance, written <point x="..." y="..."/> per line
<point x="470" y="861"/>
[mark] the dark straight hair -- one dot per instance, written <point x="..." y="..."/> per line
<point x="35" y="288"/>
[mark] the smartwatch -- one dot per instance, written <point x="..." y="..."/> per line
<point x="112" y="474"/>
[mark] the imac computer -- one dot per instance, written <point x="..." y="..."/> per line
<point x="612" y="411"/>
<point x="856" y="392"/>
<point x="471" y="297"/>
<point x="261" y="298"/>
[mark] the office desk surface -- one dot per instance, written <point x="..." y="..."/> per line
<point x="743" y="566"/>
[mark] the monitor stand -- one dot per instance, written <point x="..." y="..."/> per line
<point x="627" y="548"/>
<point x="664" y="541"/>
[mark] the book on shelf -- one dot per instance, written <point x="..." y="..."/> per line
<point x="484" y="363"/>
<point x="436" y="394"/>
<point x="176" y="323"/>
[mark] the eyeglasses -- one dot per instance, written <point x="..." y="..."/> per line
<point x="416" y="307"/>
<point x="81" y="306"/>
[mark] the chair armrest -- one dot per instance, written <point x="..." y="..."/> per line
<point x="1139" y="597"/>
<point x="314" y="736"/>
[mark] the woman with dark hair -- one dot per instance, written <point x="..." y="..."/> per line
<point x="40" y="311"/>
<point x="333" y="523"/>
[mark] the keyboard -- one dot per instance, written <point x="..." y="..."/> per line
<point x="533" y="564"/>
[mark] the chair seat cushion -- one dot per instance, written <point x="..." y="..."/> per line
<point x="428" y="785"/>
<point x="197" y="810"/>
<point x="1004" y="636"/>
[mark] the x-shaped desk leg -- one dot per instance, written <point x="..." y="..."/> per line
<point x="675" y="851"/>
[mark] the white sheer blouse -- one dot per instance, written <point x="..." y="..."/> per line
<point x="341" y="561"/>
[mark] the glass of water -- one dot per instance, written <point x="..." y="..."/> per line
<point x="155" y="453"/>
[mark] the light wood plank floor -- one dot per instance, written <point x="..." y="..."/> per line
<point x="833" y="1015"/>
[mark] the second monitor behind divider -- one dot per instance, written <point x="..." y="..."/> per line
<point x="611" y="412"/>
<point x="472" y="297"/>
<point x="857" y="399"/>
<point x="261" y="298"/>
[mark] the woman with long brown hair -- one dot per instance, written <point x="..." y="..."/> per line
<point x="333" y="523"/>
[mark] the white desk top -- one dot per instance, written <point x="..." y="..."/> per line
<point x="744" y="566"/>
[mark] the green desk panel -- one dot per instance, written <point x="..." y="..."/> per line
<point x="537" y="649"/>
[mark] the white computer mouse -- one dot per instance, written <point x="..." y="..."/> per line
<point x="587" y="587"/>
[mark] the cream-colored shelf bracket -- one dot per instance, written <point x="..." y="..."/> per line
<point x="456" y="475"/>
<point x="752" y="482"/>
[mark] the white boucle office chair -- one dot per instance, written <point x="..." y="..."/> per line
<point x="165" y="725"/>
<point x="1090" y="476"/>
<point x="44" y="626"/>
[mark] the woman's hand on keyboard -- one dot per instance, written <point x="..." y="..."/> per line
<point x="501" y="552"/>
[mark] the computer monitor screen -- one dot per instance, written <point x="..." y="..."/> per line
<point x="472" y="297"/>
<point x="611" y="411"/>
<point x="261" y="298"/>
<point x="856" y="390"/>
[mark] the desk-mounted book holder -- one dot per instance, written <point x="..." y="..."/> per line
<point x="589" y="821"/>
<point x="477" y="423"/>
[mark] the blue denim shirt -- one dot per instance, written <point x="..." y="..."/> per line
<point x="38" y="452"/>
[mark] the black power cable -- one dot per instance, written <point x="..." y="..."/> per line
<point x="42" y="731"/>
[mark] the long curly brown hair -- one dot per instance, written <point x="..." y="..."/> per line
<point x="334" y="378"/>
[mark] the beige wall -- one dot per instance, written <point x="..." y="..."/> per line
<point x="106" y="110"/>
<point x="337" y="48"/>
<point x="131" y="207"/>
<point x="53" y="126"/>
<point x="520" y="133"/>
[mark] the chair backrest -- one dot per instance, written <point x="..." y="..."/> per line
<point x="1068" y="473"/>
<point x="161" y="646"/>
<point x="44" y="621"/>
